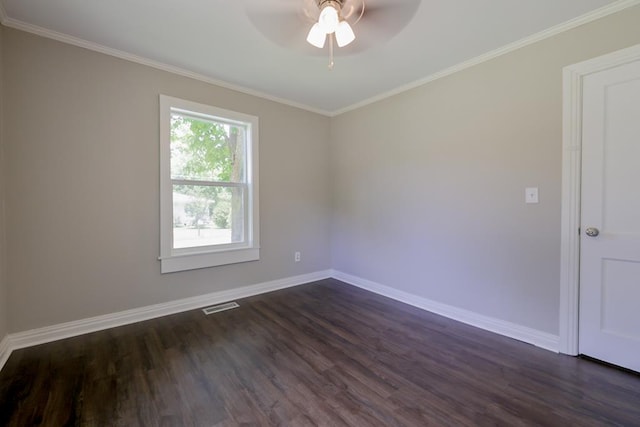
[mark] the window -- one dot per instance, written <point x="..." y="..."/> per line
<point x="208" y="186"/>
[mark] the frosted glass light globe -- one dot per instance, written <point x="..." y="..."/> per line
<point x="329" y="19"/>
<point x="344" y="34"/>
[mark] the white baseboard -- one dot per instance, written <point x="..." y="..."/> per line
<point x="80" y="327"/>
<point x="522" y="333"/>
<point x="5" y="351"/>
<point x="98" y="323"/>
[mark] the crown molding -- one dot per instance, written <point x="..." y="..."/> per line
<point x="542" y="35"/>
<point x="76" y="41"/>
<point x="602" y="12"/>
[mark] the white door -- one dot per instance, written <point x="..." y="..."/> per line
<point x="610" y="218"/>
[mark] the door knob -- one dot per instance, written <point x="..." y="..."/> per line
<point x="592" y="231"/>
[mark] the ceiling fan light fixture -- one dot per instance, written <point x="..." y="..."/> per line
<point x="316" y="36"/>
<point x="329" y="18"/>
<point x="344" y="34"/>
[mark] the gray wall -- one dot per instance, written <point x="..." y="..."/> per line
<point x="82" y="147"/>
<point x="423" y="192"/>
<point x="4" y="316"/>
<point x="428" y="190"/>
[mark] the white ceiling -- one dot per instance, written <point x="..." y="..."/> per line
<point x="216" y="39"/>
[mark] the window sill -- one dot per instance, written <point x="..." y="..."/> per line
<point x="194" y="261"/>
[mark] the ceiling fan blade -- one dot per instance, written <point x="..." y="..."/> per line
<point x="352" y="10"/>
<point x="284" y="22"/>
<point x="381" y="21"/>
<point x="283" y="29"/>
<point x="396" y="13"/>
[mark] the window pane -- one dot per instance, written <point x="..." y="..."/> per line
<point x="207" y="150"/>
<point x="207" y="215"/>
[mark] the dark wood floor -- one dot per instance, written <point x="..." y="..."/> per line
<point x="319" y="354"/>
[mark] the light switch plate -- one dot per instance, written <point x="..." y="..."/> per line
<point x="531" y="195"/>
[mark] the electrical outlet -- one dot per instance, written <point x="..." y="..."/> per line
<point x="296" y="256"/>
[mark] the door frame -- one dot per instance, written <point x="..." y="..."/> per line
<point x="573" y="76"/>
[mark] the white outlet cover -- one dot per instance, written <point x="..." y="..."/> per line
<point x="531" y="195"/>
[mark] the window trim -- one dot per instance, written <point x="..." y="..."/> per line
<point x="172" y="260"/>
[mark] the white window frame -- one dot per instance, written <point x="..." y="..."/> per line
<point x="172" y="260"/>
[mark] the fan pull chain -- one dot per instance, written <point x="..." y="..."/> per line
<point x="331" y="51"/>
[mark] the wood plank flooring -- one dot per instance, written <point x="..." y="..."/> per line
<point x="320" y="354"/>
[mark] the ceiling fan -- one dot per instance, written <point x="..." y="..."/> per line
<point x="353" y="25"/>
